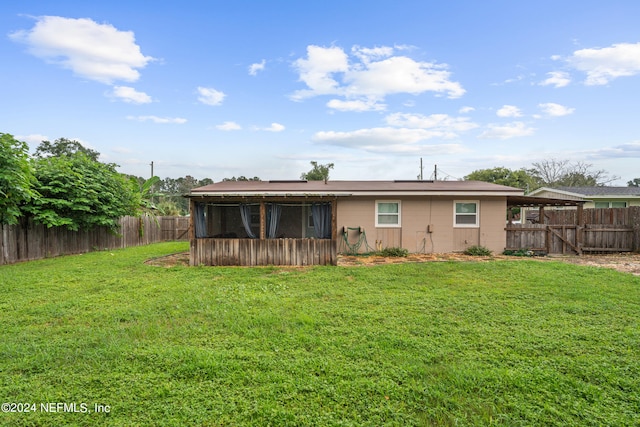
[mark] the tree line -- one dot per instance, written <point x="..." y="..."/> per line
<point x="64" y="184"/>
<point x="548" y="173"/>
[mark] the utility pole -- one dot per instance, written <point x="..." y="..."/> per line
<point x="152" y="169"/>
<point x="421" y="169"/>
<point x="435" y="172"/>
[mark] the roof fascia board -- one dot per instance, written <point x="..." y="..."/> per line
<point x="555" y="190"/>
<point x="461" y="193"/>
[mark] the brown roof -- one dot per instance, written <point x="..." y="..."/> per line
<point x="346" y="188"/>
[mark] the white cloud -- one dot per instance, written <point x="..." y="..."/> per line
<point x="605" y="64"/>
<point x="372" y="74"/>
<point x="356" y="105"/>
<point x="122" y="150"/>
<point x="447" y="125"/>
<point x="509" y="111"/>
<point x="513" y="130"/>
<point x="557" y="79"/>
<point x="93" y="51"/>
<point x="33" y="139"/>
<point x="555" y="110"/>
<point x="210" y="96"/>
<point x="465" y="110"/>
<point x="405" y="133"/>
<point x="366" y="55"/>
<point x="624" y="151"/>
<point x="317" y="71"/>
<point x="388" y="140"/>
<point x="229" y="126"/>
<point x="156" y="119"/>
<point x="275" y="127"/>
<point x="254" y="68"/>
<point x="130" y="95"/>
<point x="400" y="74"/>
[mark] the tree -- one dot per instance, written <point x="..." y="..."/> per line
<point x="555" y="173"/>
<point x="80" y="193"/>
<point x="634" y="183"/>
<point x="16" y="178"/>
<point x="318" y="172"/>
<point x="64" y="147"/>
<point x="147" y="195"/>
<point x="173" y="190"/>
<point x="520" y="178"/>
<point x="240" y="178"/>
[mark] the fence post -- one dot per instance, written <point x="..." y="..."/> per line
<point x="634" y="222"/>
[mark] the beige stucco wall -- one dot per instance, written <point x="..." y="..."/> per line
<point x="417" y="214"/>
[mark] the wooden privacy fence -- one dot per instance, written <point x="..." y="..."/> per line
<point x="30" y="241"/>
<point x="598" y="230"/>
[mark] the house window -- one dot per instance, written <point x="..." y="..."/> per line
<point x="599" y="205"/>
<point x="387" y="213"/>
<point x="466" y="213"/>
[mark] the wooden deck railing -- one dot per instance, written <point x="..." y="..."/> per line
<point x="250" y="252"/>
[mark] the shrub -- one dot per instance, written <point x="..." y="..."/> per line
<point x="519" y="252"/>
<point x="477" y="250"/>
<point x="394" y="252"/>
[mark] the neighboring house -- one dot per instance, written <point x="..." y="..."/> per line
<point x="597" y="197"/>
<point x="301" y="223"/>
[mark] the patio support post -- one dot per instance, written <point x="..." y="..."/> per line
<point x="334" y="231"/>
<point x="263" y="220"/>
<point x="192" y="219"/>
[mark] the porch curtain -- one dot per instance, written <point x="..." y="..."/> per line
<point x="273" y="219"/>
<point x="321" y="214"/>
<point x="200" y="220"/>
<point x="245" y="214"/>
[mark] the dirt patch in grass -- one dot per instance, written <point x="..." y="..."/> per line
<point x="179" y="259"/>
<point x="625" y="262"/>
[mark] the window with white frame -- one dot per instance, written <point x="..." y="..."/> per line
<point x="466" y="213"/>
<point x="610" y="204"/>
<point x="388" y="213"/>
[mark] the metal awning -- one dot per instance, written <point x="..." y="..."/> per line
<point x="533" y="201"/>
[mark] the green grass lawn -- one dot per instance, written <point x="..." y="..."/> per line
<point x="515" y="343"/>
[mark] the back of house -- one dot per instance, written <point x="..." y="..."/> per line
<point x="309" y="222"/>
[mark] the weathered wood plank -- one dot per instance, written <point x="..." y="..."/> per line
<point x="248" y="252"/>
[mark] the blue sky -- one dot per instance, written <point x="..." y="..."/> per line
<point x="219" y="89"/>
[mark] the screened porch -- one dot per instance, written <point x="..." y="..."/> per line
<point x="263" y="232"/>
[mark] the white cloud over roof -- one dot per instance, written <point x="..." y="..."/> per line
<point x="404" y="134"/>
<point x="368" y="76"/>
<point x="625" y="151"/>
<point x="94" y="51"/>
<point x="444" y="123"/>
<point x="511" y="130"/>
